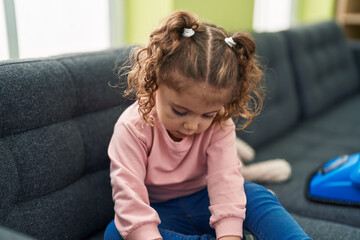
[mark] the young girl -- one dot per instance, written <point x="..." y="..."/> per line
<point x="174" y="167"/>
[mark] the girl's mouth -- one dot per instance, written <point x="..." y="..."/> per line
<point x="182" y="135"/>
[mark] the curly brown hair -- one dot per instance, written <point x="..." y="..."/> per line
<point x="202" y="58"/>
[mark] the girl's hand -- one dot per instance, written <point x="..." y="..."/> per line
<point x="230" y="238"/>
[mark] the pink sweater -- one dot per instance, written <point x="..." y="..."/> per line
<point x="148" y="166"/>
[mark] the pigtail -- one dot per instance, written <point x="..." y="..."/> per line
<point x="164" y="42"/>
<point x="245" y="46"/>
<point x="249" y="94"/>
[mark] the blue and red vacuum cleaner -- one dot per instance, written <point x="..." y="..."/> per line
<point x="337" y="181"/>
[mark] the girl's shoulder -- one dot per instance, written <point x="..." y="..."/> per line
<point x="220" y="131"/>
<point x="223" y="126"/>
<point x="130" y="115"/>
<point x="131" y="123"/>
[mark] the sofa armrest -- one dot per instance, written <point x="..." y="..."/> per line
<point x="355" y="51"/>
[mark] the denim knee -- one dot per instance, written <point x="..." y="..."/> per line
<point x="266" y="218"/>
<point x="260" y="202"/>
<point x="255" y="191"/>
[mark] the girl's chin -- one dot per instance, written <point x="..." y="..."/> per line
<point x="181" y="135"/>
<point x="177" y="136"/>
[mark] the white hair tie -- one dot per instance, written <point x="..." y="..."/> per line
<point x="188" y="32"/>
<point x="229" y="41"/>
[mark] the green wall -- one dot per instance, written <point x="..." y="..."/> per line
<point x="142" y="16"/>
<point x="312" y="11"/>
<point x="230" y="14"/>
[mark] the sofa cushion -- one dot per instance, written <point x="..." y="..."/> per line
<point x="281" y="107"/>
<point x="354" y="47"/>
<point x="34" y="93"/>
<point x="320" y="229"/>
<point x="7" y="234"/>
<point x="318" y="140"/>
<point x="323" y="66"/>
<point x="57" y="118"/>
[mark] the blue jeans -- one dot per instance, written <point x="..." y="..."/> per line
<point x="187" y="218"/>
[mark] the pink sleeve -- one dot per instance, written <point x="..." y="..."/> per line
<point x="225" y="183"/>
<point x="134" y="218"/>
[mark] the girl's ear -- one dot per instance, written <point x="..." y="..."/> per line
<point x="155" y="94"/>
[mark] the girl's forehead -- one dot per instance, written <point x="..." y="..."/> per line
<point x="180" y="81"/>
<point x="209" y="94"/>
<point x="200" y="96"/>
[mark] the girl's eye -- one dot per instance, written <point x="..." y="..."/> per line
<point x="181" y="114"/>
<point x="209" y="116"/>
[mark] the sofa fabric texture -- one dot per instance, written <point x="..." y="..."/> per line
<point x="323" y="65"/>
<point x="281" y="105"/>
<point x="326" y="76"/>
<point x="57" y="116"/>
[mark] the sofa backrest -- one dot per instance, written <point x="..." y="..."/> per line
<point x="281" y="106"/>
<point x="323" y="65"/>
<point x="56" y="118"/>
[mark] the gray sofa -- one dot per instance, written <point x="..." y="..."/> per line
<point x="57" y="115"/>
<point x="311" y="115"/>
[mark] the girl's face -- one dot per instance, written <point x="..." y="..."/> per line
<point x="189" y="112"/>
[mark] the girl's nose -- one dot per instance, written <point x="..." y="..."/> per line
<point x="191" y="126"/>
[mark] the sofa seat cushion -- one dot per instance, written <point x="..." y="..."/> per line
<point x="323" y="65"/>
<point x="309" y="146"/>
<point x="6" y="234"/>
<point x="320" y="229"/>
